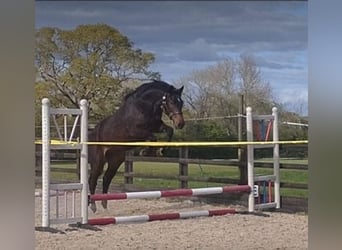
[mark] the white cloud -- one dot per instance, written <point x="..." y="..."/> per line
<point x="82" y="13"/>
<point x="198" y="50"/>
<point x="297" y="94"/>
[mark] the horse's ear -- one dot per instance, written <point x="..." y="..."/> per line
<point x="180" y="90"/>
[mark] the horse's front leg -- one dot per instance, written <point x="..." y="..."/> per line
<point x="169" y="132"/>
<point x="148" y="151"/>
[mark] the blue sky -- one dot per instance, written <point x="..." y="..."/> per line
<point x="187" y="36"/>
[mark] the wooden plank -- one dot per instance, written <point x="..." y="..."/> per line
<point x="61" y="111"/>
<point x="281" y="165"/>
<point x="183" y="160"/>
<point x="66" y="186"/>
<point x="187" y="178"/>
<point x="265" y="178"/>
<point x="60" y="170"/>
<point x="265" y="205"/>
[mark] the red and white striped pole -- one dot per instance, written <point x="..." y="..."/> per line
<point x="171" y="193"/>
<point x="155" y="217"/>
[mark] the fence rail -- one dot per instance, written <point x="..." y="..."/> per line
<point x="184" y="178"/>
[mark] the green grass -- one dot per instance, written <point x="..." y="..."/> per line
<point x="195" y="170"/>
<point x="293" y="176"/>
<point x="285" y="160"/>
<point x="300" y="193"/>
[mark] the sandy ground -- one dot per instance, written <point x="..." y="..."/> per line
<point x="240" y="231"/>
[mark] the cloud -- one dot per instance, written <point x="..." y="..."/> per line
<point x="267" y="62"/>
<point x="81" y="13"/>
<point x="246" y="24"/>
<point x="198" y="50"/>
<point x="186" y="36"/>
<point x="294" y="99"/>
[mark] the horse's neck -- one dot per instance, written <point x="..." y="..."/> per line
<point x="151" y="95"/>
<point x="149" y="101"/>
<point x="141" y="111"/>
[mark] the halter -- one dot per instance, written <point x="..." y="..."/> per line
<point x="164" y="105"/>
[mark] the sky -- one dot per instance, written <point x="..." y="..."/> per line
<point x="191" y="35"/>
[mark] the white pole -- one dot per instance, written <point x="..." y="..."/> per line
<point x="84" y="161"/>
<point x="250" y="158"/>
<point x="276" y="170"/>
<point x="45" y="162"/>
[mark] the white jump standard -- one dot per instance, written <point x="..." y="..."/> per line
<point x="47" y="111"/>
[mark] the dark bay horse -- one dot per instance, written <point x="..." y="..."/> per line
<point x="138" y="117"/>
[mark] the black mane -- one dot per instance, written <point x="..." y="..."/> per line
<point x="154" y="84"/>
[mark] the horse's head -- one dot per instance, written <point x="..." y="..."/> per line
<point x="172" y="105"/>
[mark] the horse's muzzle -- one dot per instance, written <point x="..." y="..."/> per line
<point x="178" y="120"/>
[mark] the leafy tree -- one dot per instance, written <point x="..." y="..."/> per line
<point x="205" y="89"/>
<point x="215" y="92"/>
<point x="94" y="62"/>
<point x="257" y="92"/>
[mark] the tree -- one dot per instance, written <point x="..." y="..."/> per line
<point x="94" y="62"/>
<point x="215" y="92"/>
<point x="207" y="88"/>
<point x="257" y="93"/>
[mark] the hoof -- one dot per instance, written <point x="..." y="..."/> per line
<point x="160" y="152"/>
<point x="142" y="152"/>
<point x="93" y="207"/>
<point x="104" y="204"/>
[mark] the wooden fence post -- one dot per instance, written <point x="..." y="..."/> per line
<point x="128" y="174"/>
<point x="243" y="166"/>
<point x="242" y="152"/>
<point x="183" y="167"/>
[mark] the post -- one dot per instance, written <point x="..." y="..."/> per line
<point x="241" y="104"/>
<point x="45" y="162"/>
<point x="250" y="158"/>
<point x="183" y="166"/>
<point x="128" y="179"/>
<point x="241" y="149"/>
<point x="276" y="170"/>
<point x="84" y="160"/>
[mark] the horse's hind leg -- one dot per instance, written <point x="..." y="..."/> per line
<point x="114" y="158"/>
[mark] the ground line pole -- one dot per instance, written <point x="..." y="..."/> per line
<point x="84" y="160"/>
<point x="250" y="158"/>
<point x="46" y="162"/>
